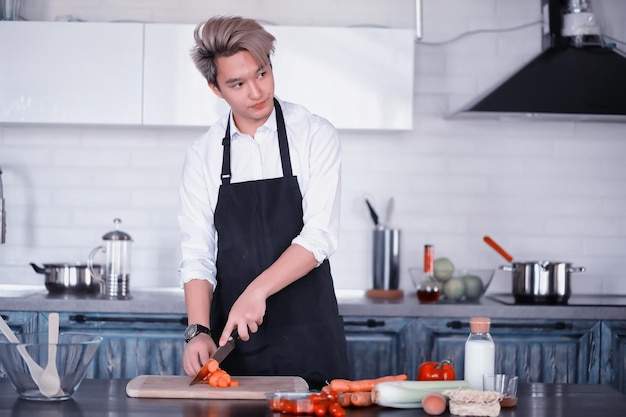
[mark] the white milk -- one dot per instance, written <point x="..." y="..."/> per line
<point x="479" y="360"/>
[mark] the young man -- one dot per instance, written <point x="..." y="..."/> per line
<point x="259" y="218"/>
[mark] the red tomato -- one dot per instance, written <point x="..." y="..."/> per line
<point x="289" y="407"/>
<point x="336" y="410"/>
<point x="331" y="396"/>
<point x="436" y="371"/>
<point x="319" y="410"/>
<point x="317" y="397"/>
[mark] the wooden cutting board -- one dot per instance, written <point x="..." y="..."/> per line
<point x="177" y="386"/>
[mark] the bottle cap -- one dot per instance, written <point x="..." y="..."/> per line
<point x="480" y="324"/>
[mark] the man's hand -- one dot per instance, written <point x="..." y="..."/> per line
<point x="197" y="352"/>
<point x="246" y="315"/>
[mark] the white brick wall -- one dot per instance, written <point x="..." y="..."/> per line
<point x="543" y="190"/>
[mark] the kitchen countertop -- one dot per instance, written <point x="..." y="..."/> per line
<point x="351" y="303"/>
<point x="100" y="397"/>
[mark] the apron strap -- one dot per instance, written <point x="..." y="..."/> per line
<point x="282" y="141"/>
<point x="226" y="155"/>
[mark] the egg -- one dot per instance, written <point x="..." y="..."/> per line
<point x="434" y="403"/>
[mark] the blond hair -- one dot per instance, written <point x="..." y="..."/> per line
<point x="222" y="36"/>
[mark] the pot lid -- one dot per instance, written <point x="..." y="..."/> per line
<point x="117" y="234"/>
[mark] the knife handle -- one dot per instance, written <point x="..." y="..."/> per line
<point x="234" y="335"/>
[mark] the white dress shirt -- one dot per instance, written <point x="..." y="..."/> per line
<point x="315" y="153"/>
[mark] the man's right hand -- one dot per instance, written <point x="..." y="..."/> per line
<point x="197" y="352"/>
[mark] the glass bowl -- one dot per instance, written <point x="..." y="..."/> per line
<point x="74" y="353"/>
<point x="464" y="286"/>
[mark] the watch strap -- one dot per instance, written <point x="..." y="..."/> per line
<point x="199" y="329"/>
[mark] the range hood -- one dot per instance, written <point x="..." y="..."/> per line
<point x="576" y="76"/>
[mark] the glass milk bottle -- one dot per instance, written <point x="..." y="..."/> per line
<point x="479" y="352"/>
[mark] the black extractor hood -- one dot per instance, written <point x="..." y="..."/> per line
<point x="577" y="76"/>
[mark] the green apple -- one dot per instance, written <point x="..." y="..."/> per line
<point x="444" y="269"/>
<point x="454" y="288"/>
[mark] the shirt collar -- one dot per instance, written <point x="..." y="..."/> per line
<point x="270" y="124"/>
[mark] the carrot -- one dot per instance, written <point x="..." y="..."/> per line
<point x="215" y="376"/>
<point x="361" y="398"/>
<point x="340" y="385"/>
<point x="346" y="385"/>
<point x="213" y="365"/>
<point x="223" y="382"/>
<point x="234" y="383"/>
<point x="344" y="399"/>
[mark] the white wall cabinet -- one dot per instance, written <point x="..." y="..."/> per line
<point x="142" y="74"/>
<point x="358" y="78"/>
<point x="175" y="93"/>
<point x="69" y="72"/>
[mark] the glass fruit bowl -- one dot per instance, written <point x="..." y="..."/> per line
<point x="24" y="361"/>
<point x="459" y="286"/>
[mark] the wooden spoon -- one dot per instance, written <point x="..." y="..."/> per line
<point x="33" y="368"/>
<point x="49" y="380"/>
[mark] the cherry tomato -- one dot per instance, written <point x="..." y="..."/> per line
<point x="436" y="371"/>
<point x="331" y="396"/>
<point x="289" y="407"/>
<point x="317" y="397"/>
<point x="336" y="410"/>
<point x="319" y="410"/>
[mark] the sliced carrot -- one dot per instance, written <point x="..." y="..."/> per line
<point x="213" y="365"/>
<point x="215" y="376"/>
<point x="234" y="383"/>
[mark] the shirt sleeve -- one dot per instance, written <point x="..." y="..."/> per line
<point x="198" y="234"/>
<point x="321" y="191"/>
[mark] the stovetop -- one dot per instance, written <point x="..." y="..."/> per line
<point x="574" y="300"/>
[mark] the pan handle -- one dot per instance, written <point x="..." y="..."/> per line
<point x="498" y="248"/>
<point x="576" y="269"/>
<point x="38" y="269"/>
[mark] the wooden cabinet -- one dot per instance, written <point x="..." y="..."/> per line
<point x="71" y="73"/>
<point x="613" y="354"/>
<point x="535" y="350"/>
<point x="568" y="351"/>
<point x="133" y="344"/>
<point x="379" y="346"/>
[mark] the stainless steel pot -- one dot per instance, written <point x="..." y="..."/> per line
<point x="541" y="282"/>
<point x="75" y="278"/>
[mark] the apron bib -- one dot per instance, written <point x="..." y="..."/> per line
<point x="302" y="333"/>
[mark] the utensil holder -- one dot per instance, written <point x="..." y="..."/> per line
<point x="386" y="258"/>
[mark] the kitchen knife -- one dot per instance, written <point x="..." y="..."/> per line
<point x="218" y="355"/>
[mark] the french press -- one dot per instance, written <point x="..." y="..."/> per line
<point x="117" y="265"/>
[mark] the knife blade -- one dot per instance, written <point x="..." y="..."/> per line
<point x="218" y="355"/>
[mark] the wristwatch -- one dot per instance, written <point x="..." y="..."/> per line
<point x="194" y="330"/>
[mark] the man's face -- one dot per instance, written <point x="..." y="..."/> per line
<point x="248" y="89"/>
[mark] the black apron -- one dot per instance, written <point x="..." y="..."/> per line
<point x="302" y="333"/>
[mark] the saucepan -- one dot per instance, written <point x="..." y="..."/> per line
<point x="70" y="278"/>
<point x="538" y="282"/>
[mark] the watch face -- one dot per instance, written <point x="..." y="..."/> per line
<point x="190" y="331"/>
